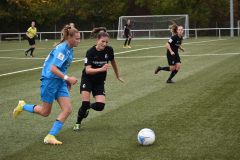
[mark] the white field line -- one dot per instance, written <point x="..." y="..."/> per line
<point x="20" y="71"/>
<point x="31" y="69"/>
<point x="134" y="50"/>
<point x="35" y="58"/>
<point x="182" y="55"/>
<point x="11" y="50"/>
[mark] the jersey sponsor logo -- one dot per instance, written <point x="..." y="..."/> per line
<point x="60" y="56"/>
<point x="84" y="86"/>
<point x="106" y="56"/>
<point x="85" y="60"/>
<point x="170" y="40"/>
<point x="99" y="63"/>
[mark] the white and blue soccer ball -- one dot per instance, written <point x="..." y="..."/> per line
<point x="146" y="137"/>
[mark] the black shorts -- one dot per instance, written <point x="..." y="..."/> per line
<point x="90" y="86"/>
<point x="127" y="36"/>
<point x="31" y="41"/>
<point x="173" y="59"/>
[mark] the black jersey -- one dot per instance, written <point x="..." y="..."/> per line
<point x="127" y="29"/>
<point x="175" y="42"/>
<point x="97" y="59"/>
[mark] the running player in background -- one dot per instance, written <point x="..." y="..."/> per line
<point x="173" y="44"/>
<point x="127" y="34"/>
<point x="31" y="35"/>
<point x="55" y="84"/>
<point x="94" y="75"/>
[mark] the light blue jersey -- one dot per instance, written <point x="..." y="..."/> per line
<point x="61" y="56"/>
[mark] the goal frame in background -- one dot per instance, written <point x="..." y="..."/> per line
<point x="150" y="32"/>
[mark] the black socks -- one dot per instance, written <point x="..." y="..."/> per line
<point x="165" y="68"/>
<point x="127" y="41"/>
<point x="172" y="74"/>
<point x="31" y="51"/>
<point x="98" y="106"/>
<point x="82" y="111"/>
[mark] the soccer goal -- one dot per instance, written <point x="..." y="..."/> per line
<point x="152" y="26"/>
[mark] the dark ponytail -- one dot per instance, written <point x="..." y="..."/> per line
<point x="100" y="32"/>
<point x="173" y="27"/>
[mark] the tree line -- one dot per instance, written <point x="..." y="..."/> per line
<point x="50" y="15"/>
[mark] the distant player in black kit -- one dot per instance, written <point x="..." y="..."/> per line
<point x="94" y="75"/>
<point x="127" y="34"/>
<point x="173" y="44"/>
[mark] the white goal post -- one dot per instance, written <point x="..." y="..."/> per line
<point x="152" y="26"/>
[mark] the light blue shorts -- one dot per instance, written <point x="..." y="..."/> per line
<point x="52" y="89"/>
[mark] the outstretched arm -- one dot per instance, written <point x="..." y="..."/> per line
<point x="115" y="68"/>
<point x="181" y="48"/>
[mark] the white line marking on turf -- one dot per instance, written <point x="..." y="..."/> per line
<point x="31" y="69"/>
<point x="20" y="71"/>
<point x="35" y="58"/>
<point x="183" y="55"/>
<point x="11" y="50"/>
<point x="134" y="50"/>
<point x="30" y="58"/>
<point x="213" y="54"/>
<point x="140" y="49"/>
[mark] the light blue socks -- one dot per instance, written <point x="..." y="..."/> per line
<point x="29" y="107"/>
<point x="57" y="126"/>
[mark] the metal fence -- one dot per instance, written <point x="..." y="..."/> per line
<point x="149" y="34"/>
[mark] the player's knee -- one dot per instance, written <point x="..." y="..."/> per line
<point x="177" y="68"/>
<point x="68" y="110"/>
<point x="172" y="68"/>
<point x="45" y="113"/>
<point x="85" y="105"/>
<point x="98" y="106"/>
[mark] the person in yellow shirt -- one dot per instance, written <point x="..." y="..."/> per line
<point x="31" y="35"/>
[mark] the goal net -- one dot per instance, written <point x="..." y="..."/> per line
<point x="152" y="26"/>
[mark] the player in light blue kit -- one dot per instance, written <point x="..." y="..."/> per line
<point x="55" y="84"/>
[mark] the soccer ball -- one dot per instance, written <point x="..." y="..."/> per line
<point x="146" y="137"/>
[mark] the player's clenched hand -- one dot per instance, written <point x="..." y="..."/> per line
<point x="72" y="80"/>
<point x="69" y="85"/>
<point x="104" y="67"/>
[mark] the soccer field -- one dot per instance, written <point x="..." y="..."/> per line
<point x="198" y="117"/>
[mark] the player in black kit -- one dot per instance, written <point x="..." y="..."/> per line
<point x="94" y="75"/>
<point x="173" y="44"/>
<point x="127" y="34"/>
